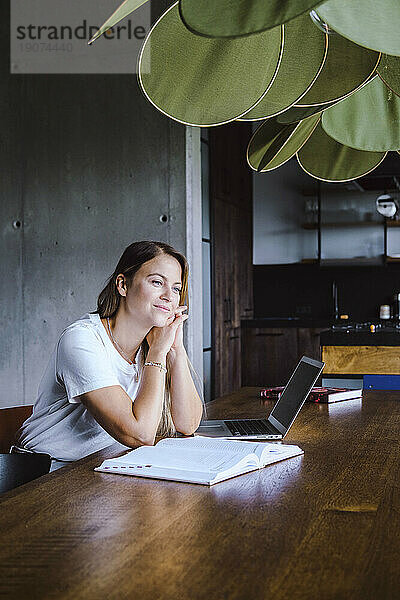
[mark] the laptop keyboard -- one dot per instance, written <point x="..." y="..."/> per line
<point x="249" y="427"/>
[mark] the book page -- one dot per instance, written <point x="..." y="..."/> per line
<point x="183" y="456"/>
<point x="271" y="453"/>
<point x="214" y="444"/>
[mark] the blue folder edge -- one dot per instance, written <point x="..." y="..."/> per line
<point x="381" y="382"/>
<point x="366" y="382"/>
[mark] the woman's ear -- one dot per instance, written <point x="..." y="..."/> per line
<point x="120" y="282"/>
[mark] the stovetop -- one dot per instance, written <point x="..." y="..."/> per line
<point x="370" y="333"/>
<point x="368" y="327"/>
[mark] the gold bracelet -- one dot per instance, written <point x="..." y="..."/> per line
<point x="162" y="367"/>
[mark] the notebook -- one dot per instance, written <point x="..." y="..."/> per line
<point x="198" y="459"/>
<point x="285" y="411"/>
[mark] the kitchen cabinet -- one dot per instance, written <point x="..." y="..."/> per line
<point x="372" y="356"/>
<point x="361" y="360"/>
<point x="269" y="354"/>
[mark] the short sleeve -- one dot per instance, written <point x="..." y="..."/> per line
<point x="82" y="363"/>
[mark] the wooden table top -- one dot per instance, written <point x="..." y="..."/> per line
<point x="325" y="525"/>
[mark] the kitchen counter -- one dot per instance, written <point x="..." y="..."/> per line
<point x="355" y="350"/>
<point x="360" y="338"/>
<point x="269" y="345"/>
<point x="350" y="336"/>
<point x="284" y="322"/>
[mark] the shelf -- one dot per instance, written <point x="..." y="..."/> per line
<point x="351" y="223"/>
<point x="356" y="261"/>
<point x="346" y="224"/>
<point x="309" y="225"/>
<point x="350" y="262"/>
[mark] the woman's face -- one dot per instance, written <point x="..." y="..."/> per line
<point x="154" y="292"/>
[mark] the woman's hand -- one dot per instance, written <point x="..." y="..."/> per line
<point x="178" y="341"/>
<point x="161" y="339"/>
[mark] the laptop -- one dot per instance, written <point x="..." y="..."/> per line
<point x="283" y="414"/>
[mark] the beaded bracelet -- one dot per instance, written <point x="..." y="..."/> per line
<point x="162" y="367"/>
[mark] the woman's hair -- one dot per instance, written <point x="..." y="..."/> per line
<point x="133" y="257"/>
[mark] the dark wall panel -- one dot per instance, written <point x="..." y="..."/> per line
<point x="306" y="290"/>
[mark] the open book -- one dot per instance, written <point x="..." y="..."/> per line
<point x="198" y="459"/>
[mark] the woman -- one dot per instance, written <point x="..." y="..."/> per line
<point x="122" y="372"/>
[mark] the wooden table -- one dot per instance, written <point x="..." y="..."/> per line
<point x="322" y="526"/>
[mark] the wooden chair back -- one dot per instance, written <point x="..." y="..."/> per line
<point x="11" y="420"/>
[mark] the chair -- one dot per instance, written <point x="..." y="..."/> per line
<point x="17" y="469"/>
<point x="11" y="420"/>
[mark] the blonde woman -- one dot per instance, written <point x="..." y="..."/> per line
<point x="120" y="373"/>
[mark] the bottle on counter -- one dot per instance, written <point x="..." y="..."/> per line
<point x="384" y="311"/>
<point x="396" y="306"/>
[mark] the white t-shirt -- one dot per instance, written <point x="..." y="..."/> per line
<point x="84" y="359"/>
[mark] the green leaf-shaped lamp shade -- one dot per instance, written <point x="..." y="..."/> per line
<point x="346" y="68"/>
<point x="234" y="18"/>
<point x="304" y="53"/>
<point x="369" y="23"/>
<point x="273" y="143"/>
<point x="294" y="114"/>
<point x="325" y="159"/>
<point x="201" y="81"/>
<point x="367" y="120"/>
<point x="389" y="71"/>
<point x="122" y="11"/>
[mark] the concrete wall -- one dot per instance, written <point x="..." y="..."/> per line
<point x="87" y="167"/>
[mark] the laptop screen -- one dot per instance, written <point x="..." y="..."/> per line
<point x="295" y="392"/>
